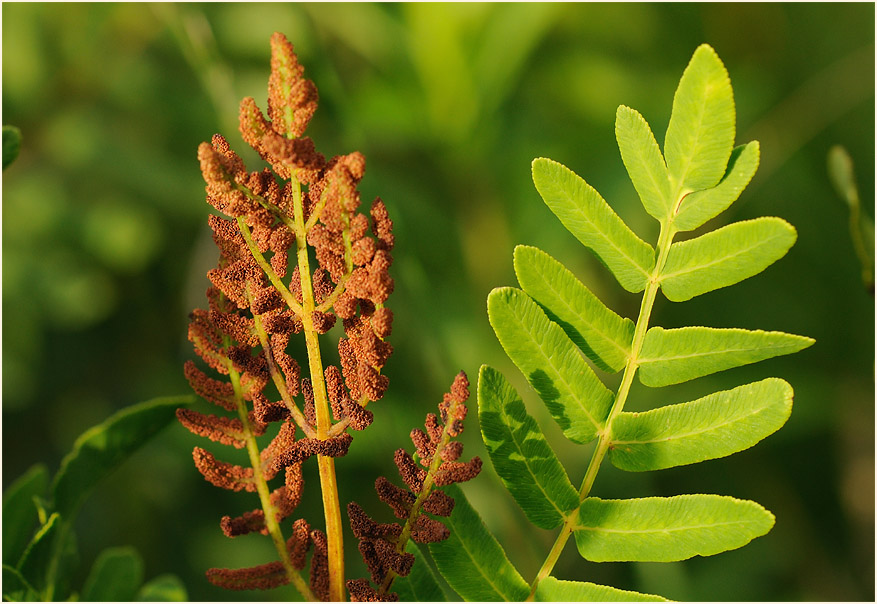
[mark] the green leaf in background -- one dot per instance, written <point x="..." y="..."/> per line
<point x="521" y="456"/>
<point x="11" y="144"/>
<point x="700" y="206"/>
<point x="555" y="590"/>
<point x="101" y="448"/>
<point x="700" y="135"/>
<point x="115" y="576"/>
<point x="602" y="335"/>
<point x="667" y="529"/>
<point x="710" y="427"/>
<point x="163" y="588"/>
<point x="725" y="256"/>
<point x="644" y="162"/>
<point x="15" y="586"/>
<point x="840" y="170"/>
<point x="20" y="516"/>
<point x="589" y="218"/>
<point x="420" y="584"/>
<point x="35" y="562"/>
<point x="576" y="399"/>
<point x="673" y="356"/>
<point x="471" y="560"/>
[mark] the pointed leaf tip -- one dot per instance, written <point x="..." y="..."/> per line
<point x="555" y="590"/>
<point x="673" y="356"/>
<point x="667" y="529"/>
<point x="644" y="162"/>
<point x="700" y="135"/>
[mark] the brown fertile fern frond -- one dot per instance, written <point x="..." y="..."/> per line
<point x="257" y="305"/>
<point x="383" y="545"/>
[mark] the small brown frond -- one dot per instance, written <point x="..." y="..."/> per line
<point x="250" y="522"/>
<point x="265" y="576"/>
<point x="222" y="474"/>
<point x="223" y="430"/>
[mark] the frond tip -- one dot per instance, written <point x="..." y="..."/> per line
<point x="383" y="545"/>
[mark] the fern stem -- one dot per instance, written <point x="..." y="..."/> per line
<point x="328" y="481"/>
<point x="665" y="238"/>
<point x="268" y="508"/>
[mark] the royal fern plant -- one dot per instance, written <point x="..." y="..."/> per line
<point x="300" y="211"/>
<point x="553" y="326"/>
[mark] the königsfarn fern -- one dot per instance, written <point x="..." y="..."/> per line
<point x="554" y="323"/>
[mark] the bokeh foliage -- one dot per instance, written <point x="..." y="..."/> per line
<point x="105" y="244"/>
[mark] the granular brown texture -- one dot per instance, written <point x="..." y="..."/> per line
<point x="268" y="218"/>
<point x="439" y="503"/>
<point x="361" y="591"/>
<point x="266" y="412"/>
<point x="398" y="499"/>
<point x="429" y="530"/>
<point x="454" y="471"/>
<point x="307" y="392"/>
<point x="299" y="543"/>
<point x="250" y="522"/>
<point x="335" y="391"/>
<point x="336" y="446"/>
<point x="381" y="547"/>
<point x="359" y="418"/>
<point x="222" y="474"/>
<point x="408" y="470"/>
<point x="320" y="565"/>
<point x="264" y="576"/>
<point x="279" y="445"/>
<point x="218" y="429"/>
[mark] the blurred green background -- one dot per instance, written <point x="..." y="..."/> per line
<point x="105" y="247"/>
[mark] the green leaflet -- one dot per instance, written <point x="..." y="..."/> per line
<point x="601" y="334"/>
<point x="724" y="257"/>
<point x="698" y="176"/>
<point x="115" y="576"/>
<point x="163" y="588"/>
<point x="644" y="162"/>
<point x="11" y="144"/>
<point x="20" y="516"/>
<point x="840" y="170"/>
<point x="575" y="398"/>
<point x="34" y="563"/>
<point x="554" y="590"/>
<point x="589" y="218"/>
<point x="472" y="561"/>
<point x="101" y="448"/>
<point x="673" y="356"/>
<point x="521" y="456"/>
<point x="711" y="427"/>
<point x="698" y="207"/>
<point x="667" y="529"/>
<point x="420" y="584"/>
<point x="700" y="135"/>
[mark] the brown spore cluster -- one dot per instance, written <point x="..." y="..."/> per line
<point x="383" y="545"/>
<point x="257" y="303"/>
